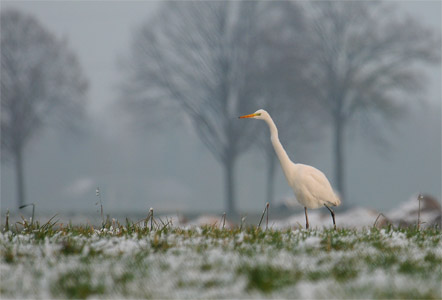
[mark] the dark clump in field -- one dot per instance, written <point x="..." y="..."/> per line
<point x="77" y="284"/>
<point x="267" y="278"/>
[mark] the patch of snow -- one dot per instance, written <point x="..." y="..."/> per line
<point x="407" y="212"/>
<point x="358" y="217"/>
<point x="211" y="220"/>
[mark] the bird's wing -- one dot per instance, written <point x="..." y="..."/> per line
<point x="319" y="187"/>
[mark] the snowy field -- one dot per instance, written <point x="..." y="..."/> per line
<point x="131" y="261"/>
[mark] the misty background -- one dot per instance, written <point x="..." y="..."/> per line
<point x="168" y="167"/>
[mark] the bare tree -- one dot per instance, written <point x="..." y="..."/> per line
<point x="198" y="59"/>
<point x="364" y="62"/>
<point x="40" y="81"/>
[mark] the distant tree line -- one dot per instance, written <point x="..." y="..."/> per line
<point x="309" y="64"/>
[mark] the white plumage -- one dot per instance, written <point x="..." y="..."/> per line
<point x="312" y="189"/>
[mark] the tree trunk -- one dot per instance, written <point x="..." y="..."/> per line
<point x="229" y="165"/>
<point x="271" y="164"/>
<point x="20" y="181"/>
<point x="339" y="158"/>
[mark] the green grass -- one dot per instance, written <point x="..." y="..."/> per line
<point x="77" y="284"/>
<point x="267" y="278"/>
<point x="131" y="261"/>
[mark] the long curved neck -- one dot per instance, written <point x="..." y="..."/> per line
<point x="280" y="152"/>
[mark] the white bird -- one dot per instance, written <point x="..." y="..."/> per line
<point x="312" y="189"/>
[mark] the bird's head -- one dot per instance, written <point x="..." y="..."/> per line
<point x="260" y="114"/>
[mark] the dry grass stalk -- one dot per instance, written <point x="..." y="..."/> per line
<point x="419" y="198"/>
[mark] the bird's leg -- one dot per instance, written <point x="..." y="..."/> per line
<point x="333" y="215"/>
<point x="306" y="217"/>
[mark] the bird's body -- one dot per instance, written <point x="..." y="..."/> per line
<point x="310" y="186"/>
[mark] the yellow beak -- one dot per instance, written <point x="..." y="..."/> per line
<point x="249" y="116"/>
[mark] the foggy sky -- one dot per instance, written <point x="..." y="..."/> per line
<point x="172" y="170"/>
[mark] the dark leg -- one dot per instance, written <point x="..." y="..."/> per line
<point x="333" y="215"/>
<point x="306" y="218"/>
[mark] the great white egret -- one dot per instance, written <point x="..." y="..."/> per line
<point x="312" y="189"/>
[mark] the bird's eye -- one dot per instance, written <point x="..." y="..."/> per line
<point x="258" y="114"/>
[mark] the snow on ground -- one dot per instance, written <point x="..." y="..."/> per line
<point x="354" y="218"/>
<point x="407" y="212"/>
<point x="211" y="220"/>
<point x="218" y="264"/>
<point x="359" y="217"/>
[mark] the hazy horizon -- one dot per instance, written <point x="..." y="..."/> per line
<point x="171" y="170"/>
